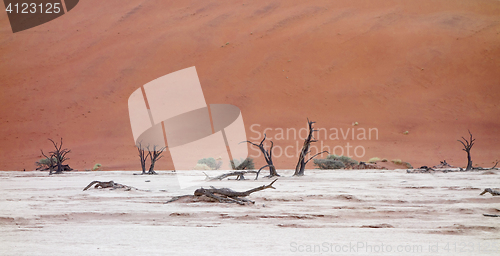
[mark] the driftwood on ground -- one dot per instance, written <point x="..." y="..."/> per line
<point x="225" y="195"/>
<point x="491" y="215"/>
<point x="426" y="169"/>
<point x="364" y="165"/>
<point x="239" y="175"/>
<point x="491" y="191"/>
<point x="108" y="184"/>
<point x="442" y="165"/>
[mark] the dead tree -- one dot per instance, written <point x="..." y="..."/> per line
<point x="485" y="169"/>
<point x="154" y="156"/>
<point x="239" y="175"/>
<point x="54" y="162"/>
<point x="225" y="195"/>
<point x="467" y="147"/>
<point x="108" y="184"/>
<point x="443" y="164"/>
<point x="301" y="164"/>
<point x="143" y="156"/>
<point x="491" y="191"/>
<point x="246" y="164"/>
<point x="268" y="156"/>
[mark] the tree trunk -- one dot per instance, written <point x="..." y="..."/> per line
<point x="226" y="195"/>
<point x="57" y="157"/>
<point x="154" y="156"/>
<point x="469" y="161"/>
<point x="301" y="164"/>
<point x="467" y="147"/>
<point x="268" y="156"/>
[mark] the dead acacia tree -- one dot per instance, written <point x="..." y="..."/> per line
<point x="491" y="191"/>
<point x="54" y="162"/>
<point x="108" y="184"/>
<point x="467" y="147"/>
<point x="239" y="175"/>
<point x="268" y="156"/>
<point x="154" y="156"/>
<point x="143" y="156"/>
<point x="301" y="164"/>
<point x="442" y="165"/>
<point x="225" y="195"/>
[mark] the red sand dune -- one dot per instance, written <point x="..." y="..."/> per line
<point x="427" y="67"/>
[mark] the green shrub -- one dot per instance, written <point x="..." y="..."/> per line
<point x="211" y="163"/>
<point x="96" y="166"/>
<point x="374" y="160"/>
<point x="347" y="161"/>
<point x="328" y="164"/>
<point x="201" y="167"/>
<point x="397" y="161"/>
<point x="242" y="164"/>
<point x="408" y="165"/>
<point x="46" y="161"/>
<point x="400" y="162"/>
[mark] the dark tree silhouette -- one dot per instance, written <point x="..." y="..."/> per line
<point x="301" y="164"/>
<point x="55" y="160"/>
<point x="154" y="156"/>
<point x="268" y="156"/>
<point x="143" y="156"/>
<point x="467" y="147"/>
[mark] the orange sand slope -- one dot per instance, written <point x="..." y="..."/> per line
<point x="426" y="67"/>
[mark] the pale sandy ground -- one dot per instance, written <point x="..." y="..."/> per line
<point x="42" y="215"/>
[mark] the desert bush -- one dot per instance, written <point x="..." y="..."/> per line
<point x="400" y="162"/>
<point x="374" y="160"/>
<point x="96" y="167"/>
<point x="397" y="161"/>
<point x="45" y="163"/>
<point x="408" y="165"/>
<point x="347" y="161"/>
<point x="211" y="163"/>
<point x="242" y="164"/>
<point x="202" y="167"/>
<point x="328" y="164"/>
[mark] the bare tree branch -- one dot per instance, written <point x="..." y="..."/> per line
<point x="268" y="157"/>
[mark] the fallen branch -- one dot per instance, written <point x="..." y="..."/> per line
<point x="239" y="175"/>
<point x="485" y="169"/>
<point x="491" y="191"/>
<point x="443" y="164"/>
<point x="490" y="215"/>
<point x="225" y="195"/>
<point x="108" y="184"/>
